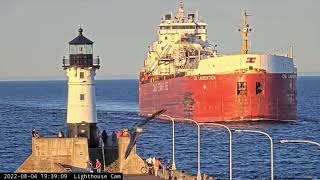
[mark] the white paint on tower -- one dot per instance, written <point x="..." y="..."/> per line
<point x="81" y="95"/>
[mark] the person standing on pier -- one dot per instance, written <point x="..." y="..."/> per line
<point x="157" y="167"/>
<point x="89" y="166"/>
<point x="114" y="139"/>
<point x="98" y="166"/>
<point x="104" y="137"/>
<point x="161" y="169"/>
<point x="34" y="132"/>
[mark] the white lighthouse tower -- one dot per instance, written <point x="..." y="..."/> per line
<point x="81" y="68"/>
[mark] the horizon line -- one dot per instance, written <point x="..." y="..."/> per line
<point x="108" y="78"/>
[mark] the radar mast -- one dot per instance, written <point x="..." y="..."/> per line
<point x="244" y="33"/>
<point x="180" y="14"/>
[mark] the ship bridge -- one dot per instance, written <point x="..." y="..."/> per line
<point x="182" y="42"/>
<point x="172" y="28"/>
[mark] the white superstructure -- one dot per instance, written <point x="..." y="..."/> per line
<point x="182" y="47"/>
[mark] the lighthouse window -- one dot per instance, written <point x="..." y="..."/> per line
<point x="82" y="97"/>
<point x="81" y="75"/>
<point x="88" y="49"/>
<point x="258" y="87"/>
<point x="241" y="88"/>
<point x="73" y="49"/>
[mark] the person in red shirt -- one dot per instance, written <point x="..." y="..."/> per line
<point x="98" y="166"/>
<point x="119" y="134"/>
<point x="157" y="167"/>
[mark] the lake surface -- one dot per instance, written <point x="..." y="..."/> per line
<point x="42" y="104"/>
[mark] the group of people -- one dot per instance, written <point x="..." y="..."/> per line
<point x="123" y="133"/>
<point x="35" y="134"/>
<point x="112" y="140"/>
<point x="97" y="167"/>
<point x="103" y="137"/>
<point x="157" y="167"/>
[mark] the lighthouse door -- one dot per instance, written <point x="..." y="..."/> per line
<point x="82" y="131"/>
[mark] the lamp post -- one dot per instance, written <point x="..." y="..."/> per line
<point x="104" y="160"/>
<point x="271" y="146"/>
<point x="299" y="141"/>
<point x="199" y="173"/>
<point x="173" y="159"/>
<point x="230" y="144"/>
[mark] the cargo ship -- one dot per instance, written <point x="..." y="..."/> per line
<point x="184" y="74"/>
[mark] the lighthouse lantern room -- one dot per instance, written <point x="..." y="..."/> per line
<point x="81" y="67"/>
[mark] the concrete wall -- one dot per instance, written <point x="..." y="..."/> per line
<point x="48" y="153"/>
<point x="131" y="165"/>
<point x="72" y="151"/>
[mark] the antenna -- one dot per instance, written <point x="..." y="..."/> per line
<point x="197" y="15"/>
<point x="181" y="3"/>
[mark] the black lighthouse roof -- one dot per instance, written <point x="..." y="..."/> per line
<point x="80" y="39"/>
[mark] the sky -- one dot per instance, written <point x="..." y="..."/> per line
<point x="34" y="34"/>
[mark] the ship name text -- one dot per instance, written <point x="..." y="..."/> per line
<point x="289" y="76"/>
<point x="160" y="86"/>
<point x="204" y="78"/>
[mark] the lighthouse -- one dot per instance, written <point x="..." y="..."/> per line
<point x="81" y="67"/>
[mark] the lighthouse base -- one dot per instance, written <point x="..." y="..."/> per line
<point x="87" y="130"/>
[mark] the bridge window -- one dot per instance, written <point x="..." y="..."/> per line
<point x="258" y="87"/>
<point x="241" y="88"/>
<point x="201" y="27"/>
<point x="164" y="27"/>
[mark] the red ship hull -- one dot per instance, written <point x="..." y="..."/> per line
<point x="225" y="97"/>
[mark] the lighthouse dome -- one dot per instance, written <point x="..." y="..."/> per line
<point x="81" y="53"/>
<point x="80" y="39"/>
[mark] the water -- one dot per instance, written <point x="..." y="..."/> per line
<point x="42" y="104"/>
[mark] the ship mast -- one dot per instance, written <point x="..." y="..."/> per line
<point x="244" y="33"/>
<point x="180" y="15"/>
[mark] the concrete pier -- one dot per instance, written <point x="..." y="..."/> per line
<point x="53" y="154"/>
<point x="62" y="155"/>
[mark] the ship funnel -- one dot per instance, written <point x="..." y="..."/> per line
<point x="291" y="52"/>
